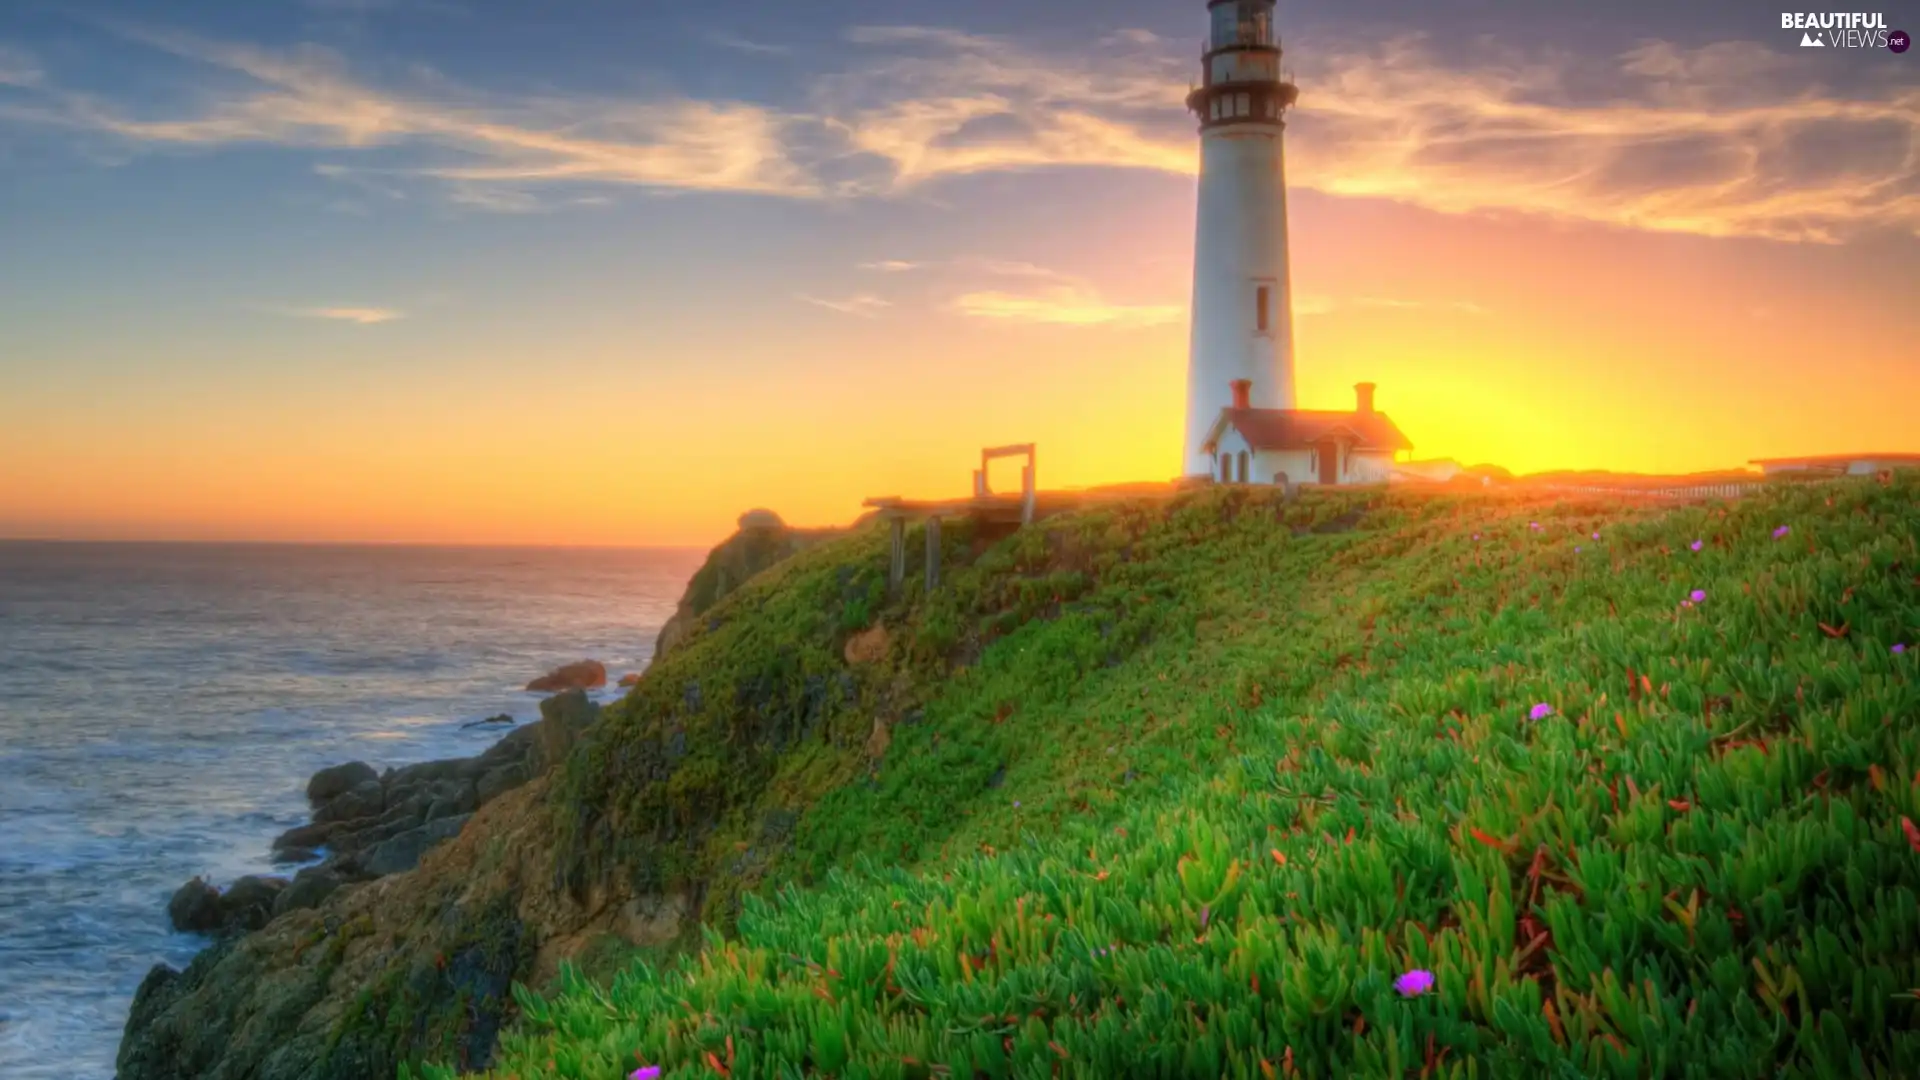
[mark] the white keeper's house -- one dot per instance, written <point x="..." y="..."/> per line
<point x="1303" y="446"/>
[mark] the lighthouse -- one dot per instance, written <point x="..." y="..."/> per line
<point x="1242" y="300"/>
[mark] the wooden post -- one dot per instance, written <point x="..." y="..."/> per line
<point x="980" y="483"/>
<point x="933" y="553"/>
<point x="1026" y="494"/>
<point x="897" y="568"/>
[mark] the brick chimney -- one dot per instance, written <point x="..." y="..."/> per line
<point x="1363" y="394"/>
<point x="1242" y="393"/>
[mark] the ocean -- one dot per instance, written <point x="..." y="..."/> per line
<point x="162" y="706"/>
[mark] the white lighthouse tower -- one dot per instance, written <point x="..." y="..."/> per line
<point x="1242" y="300"/>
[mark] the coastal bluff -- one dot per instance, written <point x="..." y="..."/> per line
<point x="761" y="541"/>
<point x="436" y="892"/>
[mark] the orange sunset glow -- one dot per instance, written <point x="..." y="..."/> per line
<point x="326" y="350"/>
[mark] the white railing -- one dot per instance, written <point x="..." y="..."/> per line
<point x="1699" y="491"/>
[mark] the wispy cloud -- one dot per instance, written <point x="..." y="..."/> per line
<point x="18" y="67"/>
<point x="363" y="316"/>
<point x="368" y="7"/>
<point x="745" y="45"/>
<point x="495" y="199"/>
<point x="1058" y="299"/>
<point x="864" y="305"/>
<point x="1731" y="139"/>
<point x="306" y="98"/>
<point x="891" y="266"/>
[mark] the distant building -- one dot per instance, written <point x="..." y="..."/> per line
<point x="1838" y="464"/>
<point x="1437" y="471"/>
<point x="1246" y="445"/>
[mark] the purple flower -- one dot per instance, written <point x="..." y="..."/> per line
<point x="1698" y="596"/>
<point x="1898" y="648"/>
<point x="1596" y="536"/>
<point x="1414" y="983"/>
<point x="1540" y="711"/>
<point x="1695" y="546"/>
<point x="645" y="1072"/>
<point x="1576" y="549"/>
<point x="1016" y="804"/>
<point x="1533" y="524"/>
<point x="1780" y="532"/>
<point x="1476" y="536"/>
<point x="1686" y="603"/>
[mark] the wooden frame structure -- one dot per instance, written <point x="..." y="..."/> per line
<point x="984" y="505"/>
<point x="1027" y="488"/>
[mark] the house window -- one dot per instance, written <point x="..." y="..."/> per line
<point x="1243" y="466"/>
<point x="1261" y="297"/>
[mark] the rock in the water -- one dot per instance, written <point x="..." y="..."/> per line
<point x="337" y="780"/>
<point x="365" y="799"/>
<point x="199" y="908"/>
<point x="309" y="888"/>
<point x="581" y="675"/>
<point x="247" y="905"/>
<point x="631" y="678"/>
<point x="195" y="908"/>
<point x="502" y="719"/>
<point x="293" y="856"/>
<point x="403" y="852"/>
<point x="306" y="837"/>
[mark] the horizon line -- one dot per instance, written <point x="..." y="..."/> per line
<point x="466" y="544"/>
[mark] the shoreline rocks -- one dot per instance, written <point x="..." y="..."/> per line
<point x="245" y="906"/>
<point x="367" y="825"/>
<point x="260" y="1000"/>
<point x="579" y="675"/>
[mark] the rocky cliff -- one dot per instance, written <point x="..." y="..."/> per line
<point x="762" y="541"/>
<point x="440" y="890"/>
<point x="326" y="978"/>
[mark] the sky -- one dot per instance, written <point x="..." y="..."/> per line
<point x="614" y="271"/>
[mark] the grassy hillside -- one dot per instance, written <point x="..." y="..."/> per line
<point x="1185" y="788"/>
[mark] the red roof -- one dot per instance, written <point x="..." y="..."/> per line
<point x="1298" y="429"/>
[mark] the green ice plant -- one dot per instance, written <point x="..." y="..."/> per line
<point x="1437" y="807"/>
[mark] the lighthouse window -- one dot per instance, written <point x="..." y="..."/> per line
<point x="1261" y="298"/>
<point x="1223" y="26"/>
<point x="1213" y="108"/>
<point x="1242" y="105"/>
